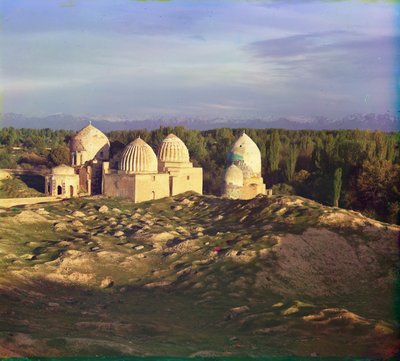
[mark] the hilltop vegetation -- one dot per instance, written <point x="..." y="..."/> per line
<point x="196" y="275"/>
<point x="294" y="162"/>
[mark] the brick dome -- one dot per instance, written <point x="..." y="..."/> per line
<point x="172" y="149"/>
<point x="92" y="141"/>
<point x="138" y="157"/>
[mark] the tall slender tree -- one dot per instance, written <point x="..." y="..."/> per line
<point x="337" y="186"/>
<point x="290" y="162"/>
<point x="274" y="152"/>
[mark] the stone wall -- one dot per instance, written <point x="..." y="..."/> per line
<point x="12" y="202"/>
<point x="186" y="179"/>
<point x="119" y="185"/>
<point x="250" y="191"/>
<point x="138" y="187"/>
<point x="151" y="186"/>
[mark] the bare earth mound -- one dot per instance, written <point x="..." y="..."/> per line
<point x="194" y="275"/>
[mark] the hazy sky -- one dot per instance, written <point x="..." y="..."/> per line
<point x="197" y="58"/>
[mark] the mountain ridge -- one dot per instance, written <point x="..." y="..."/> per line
<point x="384" y="122"/>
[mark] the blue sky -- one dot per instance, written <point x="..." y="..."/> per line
<point x="197" y="58"/>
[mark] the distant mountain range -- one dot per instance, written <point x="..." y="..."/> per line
<point x="385" y="122"/>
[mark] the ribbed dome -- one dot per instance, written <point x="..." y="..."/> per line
<point x="91" y="140"/>
<point x="63" y="170"/>
<point x="234" y="176"/>
<point x="138" y="157"/>
<point x="172" y="149"/>
<point x="246" y="155"/>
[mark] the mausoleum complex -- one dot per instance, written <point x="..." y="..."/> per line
<point x="141" y="175"/>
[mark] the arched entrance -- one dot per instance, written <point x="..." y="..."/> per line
<point x="59" y="190"/>
<point x="153" y="195"/>
<point x="71" y="191"/>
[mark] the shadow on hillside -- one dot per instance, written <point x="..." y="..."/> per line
<point x="34" y="181"/>
<point x="57" y="319"/>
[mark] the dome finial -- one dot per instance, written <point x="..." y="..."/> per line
<point x="90" y="122"/>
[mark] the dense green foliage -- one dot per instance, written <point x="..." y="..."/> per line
<point x="28" y="148"/>
<point x="59" y="155"/>
<point x="299" y="162"/>
<point x="37" y="139"/>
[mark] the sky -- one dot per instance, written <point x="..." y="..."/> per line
<point x="197" y="58"/>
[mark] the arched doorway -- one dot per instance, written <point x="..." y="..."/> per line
<point x="59" y="190"/>
<point x="71" y="191"/>
<point x="153" y="195"/>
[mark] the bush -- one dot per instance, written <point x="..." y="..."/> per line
<point x="7" y="160"/>
<point x="59" y="155"/>
<point x="32" y="159"/>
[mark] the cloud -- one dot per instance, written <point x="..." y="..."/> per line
<point x="295" y="45"/>
<point x="330" y="54"/>
<point x="236" y="58"/>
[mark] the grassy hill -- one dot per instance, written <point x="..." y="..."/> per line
<point x="196" y="275"/>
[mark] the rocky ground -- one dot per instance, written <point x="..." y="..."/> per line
<point x="196" y="275"/>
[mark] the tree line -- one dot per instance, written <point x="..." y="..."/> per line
<point x="353" y="169"/>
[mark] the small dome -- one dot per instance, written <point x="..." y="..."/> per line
<point x="172" y="149"/>
<point x="63" y="170"/>
<point x="138" y="157"/>
<point x="91" y="140"/>
<point x="234" y="176"/>
<point x="246" y="155"/>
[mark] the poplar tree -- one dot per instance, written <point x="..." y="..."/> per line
<point x="337" y="186"/>
<point x="290" y="162"/>
<point x="274" y="152"/>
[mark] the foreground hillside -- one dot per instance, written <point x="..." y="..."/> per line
<point x="196" y="275"/>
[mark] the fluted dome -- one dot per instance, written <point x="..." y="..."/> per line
<point x="138" y="157"/>
<point x="234" y="176"/>
<point x="91" y="140"/>
<point x="246" y="155"/>
<point x="172" y="149"/>
<point x="63" y="170"/>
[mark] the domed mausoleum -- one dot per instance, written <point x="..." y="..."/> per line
<point x="89" y="148"/>
<point x="63" y="181"/>
<point x="243" y="176"/>
<point x="89" y="144"/>
<point x="173" y="158"/>
<point x="142" y="176"/>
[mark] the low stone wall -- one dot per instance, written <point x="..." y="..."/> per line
<point x="12" y="202"/>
